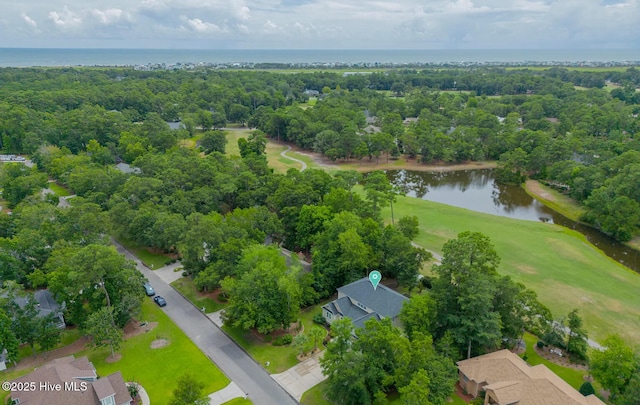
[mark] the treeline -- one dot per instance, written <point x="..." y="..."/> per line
<point x="534" y="121"/>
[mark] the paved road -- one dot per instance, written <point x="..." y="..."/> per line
<point x="284" y="155"/>
<point x="231" y="359"/>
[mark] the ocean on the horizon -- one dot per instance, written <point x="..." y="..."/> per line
<point x="31" y="57"/>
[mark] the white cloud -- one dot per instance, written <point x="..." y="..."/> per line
<point x="326" y="23"/>
<point x="202" y="27"/>
<point x="65" y="19"/>
<point x="111" y="15"/>
<point x="30" y="22"/>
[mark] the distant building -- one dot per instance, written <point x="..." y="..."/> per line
<point x="360" y="302"/>
<point x="46" y="305"/>
<point x="126" y="168"/>
<point x="507" y="379"/>
<point x="78" y="382"/>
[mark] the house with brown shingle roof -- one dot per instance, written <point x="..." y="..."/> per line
<point x="509" y="380"/>
<point x="67" y="381"/>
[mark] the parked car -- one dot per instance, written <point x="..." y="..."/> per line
<point x="160" y="301"/>
<point x="149" y="290"/>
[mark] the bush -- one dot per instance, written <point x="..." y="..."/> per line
<point x="425" y="282"/>
<point x="185" y="274"/>
<point x="540" y="344"/>
<point x="587" y="389"/>
<point x="282" y="340"/>
<point x="319" y="319"/>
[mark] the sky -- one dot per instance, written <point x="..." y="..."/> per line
<point x="321" y="24"/>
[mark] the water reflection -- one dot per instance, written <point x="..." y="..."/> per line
<point x="477" y="190"/>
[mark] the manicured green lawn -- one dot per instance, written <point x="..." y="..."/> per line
<point x="59" y="190"/>
<point x="238" y="401"/>
<point x="280" y="358"/>
<point x="188" y="289"/>
<point x="557" y="263"/>
<point x="157" y="369"/>
<point x="150" y="259"/>
<point x="315" y="396"/>
<point x="573" y="377"/>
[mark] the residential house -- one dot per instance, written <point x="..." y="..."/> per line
<point x="74" y="381"/>
<point x="506" y="379"/>
<point x="46" y="305"/>
<point x="361" y="302"/>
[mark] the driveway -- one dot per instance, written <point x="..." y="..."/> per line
<point x="302" y="377"/>
<point x="225" y="353"/>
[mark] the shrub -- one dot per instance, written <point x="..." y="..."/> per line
<point x="319" y="319"/>
<point x="425" y="282"/>
<point x="282" y="340"/>
<point x="587" y="389"/>
<point x="540" y="344"/>
<point x="185" y="274"/>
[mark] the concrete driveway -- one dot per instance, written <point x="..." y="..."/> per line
<point x="302" y="377"/>
<point x="250" y="377"/>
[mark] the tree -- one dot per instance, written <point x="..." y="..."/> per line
<point x="19" y="181"/>
<point x="316" y="334"/>
<point x="103" y="331"/>
<point x="188" y="392"/>
<point x="265" y="293"/>
<point x="8" y="340"/>
<point x="577" y="338"/>
<point x="379" y="191"/>
<point x="417" y="392"/>
<point x="632" y="390"/>
<point x="92" y="277"/>
<point x="418" y="315"/>
<point x="464" y="291"/>
<point x="48" y="332"/>
<point x="614" y="366"/>
<point x="213" y="141"/>
<point x="301" y="342"/>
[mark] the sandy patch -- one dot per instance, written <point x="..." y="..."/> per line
<point x="113" y="358"/>
<point x="536" y="189"/>
<point x="160" y="343"/>
<point x="523" y="268"/>
<point x="135" y="328"/>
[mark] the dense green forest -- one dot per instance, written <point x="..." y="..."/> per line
<point x="218" y="213"/>
<point x="534" y="122"/>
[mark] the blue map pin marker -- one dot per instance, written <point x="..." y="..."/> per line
<point x="375" y="278"/>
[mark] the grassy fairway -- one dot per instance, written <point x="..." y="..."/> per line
<point x="558" y="264"/>
<point x="278" y="163"/>
<point x="157" y="369"/>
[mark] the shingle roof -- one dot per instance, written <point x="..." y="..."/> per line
<point x="70" y="370"/>
<point x="382" y="300"/>
<point x="511" y="380"/>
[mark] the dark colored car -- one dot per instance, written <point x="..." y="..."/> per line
<point x="160" y="301"/>
<point x="149" y="290"/>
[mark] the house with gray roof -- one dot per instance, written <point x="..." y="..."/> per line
<point x="46" y="305"/>
<point x="360" y="302"/>
<point x="79" y="385"/>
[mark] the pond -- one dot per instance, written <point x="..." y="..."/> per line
<point x="477" y="190"/>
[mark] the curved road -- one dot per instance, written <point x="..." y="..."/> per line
<point x="284" y="155"/>
<point x="228" y="356"/>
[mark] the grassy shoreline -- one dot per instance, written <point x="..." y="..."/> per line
<point x="555" y="200"/>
